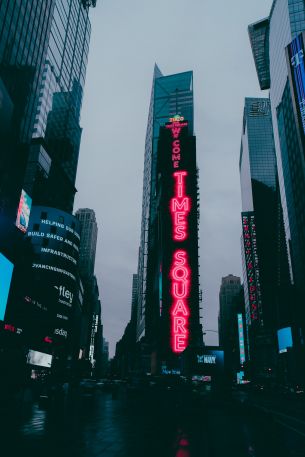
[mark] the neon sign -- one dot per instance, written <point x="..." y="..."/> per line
<point x="241" y="338"/>
<point x="180" y="207"/>
<point x="252" y="267"/>
<point x="180" y="275"/>
<point x="180" y="271"/>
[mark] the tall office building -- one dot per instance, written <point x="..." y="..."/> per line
<point x="265" y="261"/>
<point x="169" y="135"/>
<point x="24" y="36"/>
<point x="88" y="230"/>
<point x="229" y="289"/>
<point x="229" y="304"/>
<point x="170" y="95"/>
<point x="51" y="171"/>
<point x="91" y="325"/>
<point x="277" y="55"/>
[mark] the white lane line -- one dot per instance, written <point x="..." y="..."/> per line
<point x="289" y="426"/>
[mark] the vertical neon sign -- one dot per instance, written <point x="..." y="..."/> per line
<point x="252" y="267"/>
<point x="180" y="271"/>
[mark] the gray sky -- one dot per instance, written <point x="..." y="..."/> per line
<point x="209" y="37"/>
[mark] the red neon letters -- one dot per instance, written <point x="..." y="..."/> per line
<point x="251" y="258"/>
<point x="180" y="275"/>
<point x="180" y="207"/>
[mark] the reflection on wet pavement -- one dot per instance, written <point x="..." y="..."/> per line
<point x="99" y="425"/>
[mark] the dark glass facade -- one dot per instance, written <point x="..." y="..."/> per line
<point x="285" y="50"/>
<point x="265" y="260"/>
<point x="24" y="34"/>
<point x="57" y="128"/>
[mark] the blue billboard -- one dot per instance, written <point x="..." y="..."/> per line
<point x="284" y="336"/>
<point x="297" y="70"/>
<point x="6" y="271"/>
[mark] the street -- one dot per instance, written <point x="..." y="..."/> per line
<point x="137" y="424"/>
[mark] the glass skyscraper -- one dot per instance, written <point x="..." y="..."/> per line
<point x="265" y="261"/>
<point x="269" y="39"/>
<point x="170" y="95"/>
<point x="24" y="35"/>
<point x="56" y="134"/>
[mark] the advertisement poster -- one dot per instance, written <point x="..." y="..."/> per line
<point x="24" y="210"/>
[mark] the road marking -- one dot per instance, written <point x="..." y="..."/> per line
<point x="289" y="426"/>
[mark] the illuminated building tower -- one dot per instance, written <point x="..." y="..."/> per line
<point x="172" y="310"/>
<point x="279" y="58"/>
<point x="265" y="263"/>
<point x="170" y="95"/>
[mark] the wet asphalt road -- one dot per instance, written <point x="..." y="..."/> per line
<point x="146" y="425"/>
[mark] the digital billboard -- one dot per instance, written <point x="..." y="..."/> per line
<point x="284" y="336"/>
<point x="177" y="169"/>
<point x="242" y="356"/>
<point x="252" y="266"/>
<point x="39" y="359"/>
<point x="55" y="238"/>
<point x="297" y="77"/>
<point x="24" y="210"/>
<point x="6" y="271"/>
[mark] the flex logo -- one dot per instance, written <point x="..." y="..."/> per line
<point x="65" y="293"/>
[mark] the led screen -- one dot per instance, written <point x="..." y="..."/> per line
<point x="6" y="271"/>
<point x="241" y="338"/>
<point x="284" y="337"/>
<point x="24" y="209"/>
<point x="39" y="359"/>
<point x="297" y="68"/>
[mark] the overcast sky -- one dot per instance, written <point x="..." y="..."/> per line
<point x="209" y="37"/>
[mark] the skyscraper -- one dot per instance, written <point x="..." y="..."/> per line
<point x="57" y="133"/>
<point x="91" y="306"/>
<point x="88" y="229"/>
<point x="24" y="36"/>
<point x="170" y="119"/>
<point x="229" y="289"/>
<point x="270" y="38"/>
<point x="170" y="95"/>
<point x="265" y="261"/>
<point x="229" y="301"/>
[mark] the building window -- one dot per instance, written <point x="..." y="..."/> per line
<point x="35" y="227"/>
<point x="53" y="230"/>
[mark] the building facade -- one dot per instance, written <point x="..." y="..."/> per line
<point x="171" y="111"/>
<point x="275" y="61"/>
<point x="229" y="292"/>
<point x="267" y="285"/>
<point x="92" y="311"/>
<point x="170" y="95"/>
<point x="89" y="230"/>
